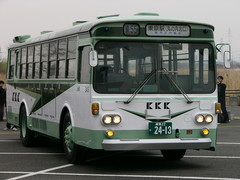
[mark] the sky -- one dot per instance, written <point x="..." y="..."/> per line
<point x="20" y="17"/>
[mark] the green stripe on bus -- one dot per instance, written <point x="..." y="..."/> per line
<point x="37" y="92"/>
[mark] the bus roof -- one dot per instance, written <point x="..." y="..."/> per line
<point x="87" y="26"/>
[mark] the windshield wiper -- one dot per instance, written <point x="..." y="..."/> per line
<point x="174" y="82"/>
<point x="171" y="79"/>
<point x="139" y="88"/>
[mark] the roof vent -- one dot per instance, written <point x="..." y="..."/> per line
<point x="78" y="22"/>
<point x="45" y="32"/>
<point x="114" y="15"/>
<point x="21" y="39"/>
<point x="146" y="14"/>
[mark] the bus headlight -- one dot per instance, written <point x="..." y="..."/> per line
<point x="204" y="118"/>
<point x="199" y="118"/>
<point x="111" y="119"/>
<point x="107" y="119"/>
<point x="116" y="119"/>
<point x="208" y="119"/>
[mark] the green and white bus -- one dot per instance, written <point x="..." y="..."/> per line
<point x="117" y="84"/>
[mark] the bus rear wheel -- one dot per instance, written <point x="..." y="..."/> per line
<point x="27" y="136"/>
<point x="173" y="154"/>
<point x="74" y="153"/>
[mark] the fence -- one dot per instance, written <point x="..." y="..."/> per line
<point x="233" y="97"/>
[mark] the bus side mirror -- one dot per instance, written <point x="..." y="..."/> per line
<point x="226" y="53"/>
<point x="227" y="59"/>
<point x="93" y="58"/>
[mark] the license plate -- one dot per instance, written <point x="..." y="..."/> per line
<point x="160" y="128"/>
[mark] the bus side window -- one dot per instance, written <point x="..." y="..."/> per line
<point x="62" y="47"/>
<point x="71" y="57"/>
<point x="53" y="59"/>
<point x="196" y="66"/>
<point x="44" y="61"/>
<point x="23" y="63"/>
<point x="30" y="62"/>
<point x="36" y="64"/>
<point x="11" y="67"/>
<point x="84" y="66"/>
<point x="18" y="63"/>
<point x="206" y="66"/>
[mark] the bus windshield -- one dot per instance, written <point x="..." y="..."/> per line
<point x="123" y="66"/>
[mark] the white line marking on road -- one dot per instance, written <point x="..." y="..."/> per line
<point x="40" y="172"/>
<point x="45" y="172"/>
<point x="208" y="157"/>
<point x="28" y="153"/>
<point x="10" y="133"/>
<point x="228" y="143"/>
<point x="143" y="176"/>
<point x="14" y="172"/>
<point x="9" y="140"/>
<point x="214" y="157"/>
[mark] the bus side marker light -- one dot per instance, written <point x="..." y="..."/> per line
<point x="205" y="31"/>
<point x="106" y="29"/>
<point x="205" y="131"/>
<point x="110" y="133"/>
<point x="95" y="108"/>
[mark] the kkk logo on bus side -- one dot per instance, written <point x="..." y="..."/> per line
<point x="157" y="105"/>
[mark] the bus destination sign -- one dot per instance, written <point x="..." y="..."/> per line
<point x="168" y="30"/>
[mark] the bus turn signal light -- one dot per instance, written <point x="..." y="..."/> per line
<point x="218" y="108"/>
<point x="95" y="108"/>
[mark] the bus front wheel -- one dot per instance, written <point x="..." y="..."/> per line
<point x="74" y="153"/>
<point x="27" y="136"/>
<point x="173" y="154"/>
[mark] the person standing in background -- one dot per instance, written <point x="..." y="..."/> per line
<point x="2" y="105"/>
<point x="221" y="98"/>
<point x="2" y="99"/>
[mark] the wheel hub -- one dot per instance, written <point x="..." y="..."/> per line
<point x="68" y="138"/>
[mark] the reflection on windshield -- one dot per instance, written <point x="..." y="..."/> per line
<point x="123" y="67"/>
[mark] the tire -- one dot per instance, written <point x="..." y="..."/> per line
<point x="75" y="154"/>
<point x="27" y="136"/>
<point x="173" y="154"/>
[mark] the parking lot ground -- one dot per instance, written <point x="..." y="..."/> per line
<point x="47" y="161"/>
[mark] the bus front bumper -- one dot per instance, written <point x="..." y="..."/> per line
<point x="156" y="144"/>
